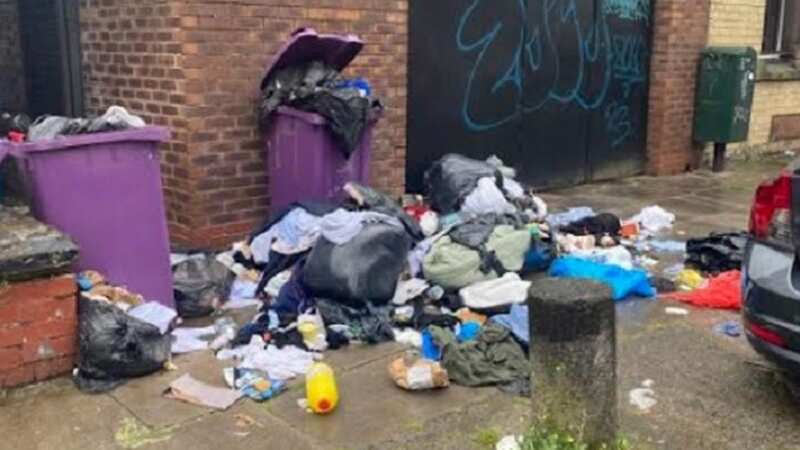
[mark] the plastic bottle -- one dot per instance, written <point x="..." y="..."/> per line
<point x="321" y="392"/>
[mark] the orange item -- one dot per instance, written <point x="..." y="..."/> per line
<point x="722" y="292"/>
<point x="468" y="316"/>
<point x="629" y="229"/>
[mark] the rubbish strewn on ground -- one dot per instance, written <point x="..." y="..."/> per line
<point x="730" y="328"/>
<point x="723" y="291"/>
<point x="676" y="311"/>
<point x="189" y="390"/>
<point x="644" y="397"/>
<point x="414" y="373"/>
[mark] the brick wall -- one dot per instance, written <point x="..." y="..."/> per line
<point x="132" y="58"/>
<point x="680" y="32"/>
<point x="226" y="47"/>
<point x="12" y="71"/>
<point x="741" y="22"/>
<point x="195" y="65"/>
<point x="38" y="330"/>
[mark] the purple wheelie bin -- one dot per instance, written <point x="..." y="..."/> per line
<point x="303" y="157"/>
<point x="104" y="191"/>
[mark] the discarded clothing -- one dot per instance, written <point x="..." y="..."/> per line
<point x="189" y="390"/>
<point x="365" y="269"/>
<point x="509" y="246"/>
<point x="368" y="324"/>
<point x="317" y="209"/>
<point x="722" y="292"/>
<point x="717" y="253"/>
<point x="254" y="385"/>
<point x="468" y="331"/>
<point x="242" y="289"/>
<point x="572" y="215"/>
<point x="493" y="358"/>
<point x="487" y="198"/>
<point x="408" y="336"/>
<point x="599" y="225"/>
<point x="508" y="289"/>
<point x="116" y="118"/>
<point x="377" y="202"/>
<point x="452" y="178"/>
<point x="615" y="256"/>
<point x="569" y="243"/>
<point x="274" y="285"/>
<point x="539" y="256"/>
<point x="294" y="296"/>
<point x="654" y="219"/>
<point x="517" y="321"/>
<point x="114" y="347"/>
<point x="453" y="266"/>
<point x="623" y="283"/>
<point x="295" y="233"/>
<point x="467" y="315"/>
<point x="409" y="289"/>
<point x="667" y="246"/>
<point x="280" y="364"/>
<point x="430" y="349"/>
<point x="341" y="226"/>
<point x="413" y="373"/>
<point x="278" y="263"/>
<point x="474" y="232"/>
<point x="429" y="223"/>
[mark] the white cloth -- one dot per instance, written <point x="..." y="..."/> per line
<point x="408" y="289"/>
<point x="508" y="289"/>
<point x="487" y="198"/>
<point x="617" y="256"/>
<point x="408" y="336"/>
<point x="242" y="289"/>
<point x="429" y="222"/>
<point x="280" y="364"/>
<point x="274" y="285"/>
<point x="654" y="219"/>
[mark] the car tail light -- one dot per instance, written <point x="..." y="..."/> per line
<point x="770" y="217"/>
<point x="766" y="335"/>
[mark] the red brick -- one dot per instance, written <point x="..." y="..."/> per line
<point x="44" y="370"/>
<point x="10" y="358"/>
<point x="17" y="376"/>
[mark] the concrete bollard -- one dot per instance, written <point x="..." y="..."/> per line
<point x="573" y="356"/>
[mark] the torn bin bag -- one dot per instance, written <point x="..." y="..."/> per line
<point x="451" y="179"/>
<point x="364" y="269"/>
<point x="115" y="346"/>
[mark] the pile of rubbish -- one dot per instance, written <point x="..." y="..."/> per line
<point x="19" y="128"/>
<point x="446" y="275"/>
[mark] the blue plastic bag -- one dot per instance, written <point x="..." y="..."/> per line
<point x="623" y="283"/>
<point x="430" y="350"/>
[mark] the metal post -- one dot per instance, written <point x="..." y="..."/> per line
<point x="719" y="157"/>
<point x="574" y="359"/>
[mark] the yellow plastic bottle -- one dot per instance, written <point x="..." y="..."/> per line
<point x="321" y="392"/>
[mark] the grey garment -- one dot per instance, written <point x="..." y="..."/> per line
<point x="341" y="226"/>
<point x="115" y="118"/>
<point x="494" y="358"/>
<point x="474" y="232"/>
<point x="370" y="324"/>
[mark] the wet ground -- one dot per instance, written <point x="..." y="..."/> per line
<point x="712" y="391"/>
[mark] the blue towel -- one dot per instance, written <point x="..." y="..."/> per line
<point x="623" y="283"/>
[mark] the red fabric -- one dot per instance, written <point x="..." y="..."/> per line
<point x="16" y="137"/>
<point x="721" y="292"/>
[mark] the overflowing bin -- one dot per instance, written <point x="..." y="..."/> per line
<point x="104" y="191"/>
<point x="304" y="157"/>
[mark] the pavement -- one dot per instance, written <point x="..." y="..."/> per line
<point x="712" y="391"/>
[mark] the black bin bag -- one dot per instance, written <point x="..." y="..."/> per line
<point x="114" y="346"/>
<point x="451" y="179"/>
<point x="363" y="269"/>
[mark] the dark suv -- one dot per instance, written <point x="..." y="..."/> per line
<point x="771" y="276"/>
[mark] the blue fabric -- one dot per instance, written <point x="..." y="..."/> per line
<point x="84" y="282"/>
<point x="356" y="83"/>
<point x="730" y="328"/>
<point x="516" y="321"/>
<point x="623" y="283"/>
<point x="468" y="331"/>
<point x="430" y="350"/>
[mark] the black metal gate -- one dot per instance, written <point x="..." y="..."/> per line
<point x="556" y="88"/>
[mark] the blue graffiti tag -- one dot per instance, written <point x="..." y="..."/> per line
<point x="636" y="10"/>
<point x="618" y="123"/>
<point x="630" y="61"/>
<point x="533" y="75"/>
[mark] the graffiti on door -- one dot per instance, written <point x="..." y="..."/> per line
<point x="559" y="57"/>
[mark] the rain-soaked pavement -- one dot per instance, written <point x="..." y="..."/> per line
<point x="711" y="391"/>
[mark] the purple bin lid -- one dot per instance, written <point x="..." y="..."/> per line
<point x="147" y="134"/>
<point x="306" y="45"/>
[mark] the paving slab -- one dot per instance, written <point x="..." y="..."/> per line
<point x="372" y="409"/>
<point x="55" y="415"/>
<point x="144" y="396"/>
